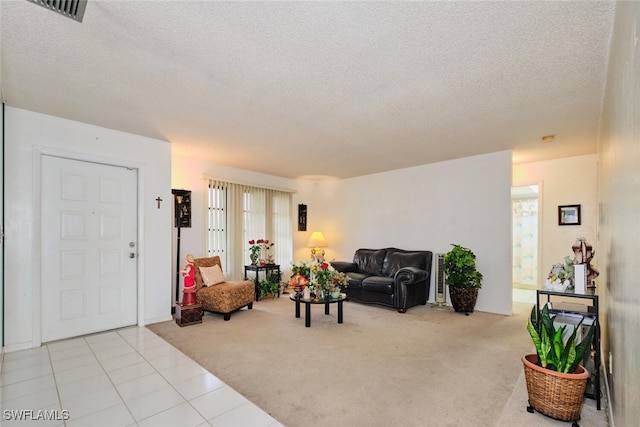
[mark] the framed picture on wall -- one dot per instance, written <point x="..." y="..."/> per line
<point x="569" y="215"/>
<point x="302" y="217"/>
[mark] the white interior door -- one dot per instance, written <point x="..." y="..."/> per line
<point x="89" y="247"/>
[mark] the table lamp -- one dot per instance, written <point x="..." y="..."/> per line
<point x="317" y="241"/>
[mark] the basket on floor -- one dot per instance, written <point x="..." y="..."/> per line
<point x="555" y="394"/>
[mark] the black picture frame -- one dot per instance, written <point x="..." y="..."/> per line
<point x="569" y="215"/>
<point x="302" y="217"/>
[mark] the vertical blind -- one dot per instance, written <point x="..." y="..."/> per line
<point x="238" y="213"/>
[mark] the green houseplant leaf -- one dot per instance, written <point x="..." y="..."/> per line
<point x="460" y="268"/>
<point x="266" y="287"/>
<point x="554" y="353"/>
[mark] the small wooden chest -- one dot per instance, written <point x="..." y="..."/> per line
<point x="188" y="314"/>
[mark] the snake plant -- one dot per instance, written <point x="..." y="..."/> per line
<point x="554" y="353"/>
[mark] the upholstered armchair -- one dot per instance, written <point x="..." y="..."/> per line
<point x="225" y="297"/>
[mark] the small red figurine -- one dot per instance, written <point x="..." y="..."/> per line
<point x="189" y="274"/>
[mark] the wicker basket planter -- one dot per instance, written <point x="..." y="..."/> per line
<point x="554" y="394"/>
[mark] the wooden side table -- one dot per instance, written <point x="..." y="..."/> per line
<point x="268" y="270"/>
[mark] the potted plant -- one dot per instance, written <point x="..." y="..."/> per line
<point x="555" y="370"/>
<point x="463" y="278"/>
<point x="268" y="287"/>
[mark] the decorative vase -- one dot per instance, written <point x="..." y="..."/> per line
<point x="554" y="394"/>
<point x="463" y="300"/>
<point x="306" y="293"/>
<point x="254" y="258"/>
<point x="263" y="252"/>
<point x="335" y="294"/>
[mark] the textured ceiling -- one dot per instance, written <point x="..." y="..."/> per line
<point x="319" y="89"/>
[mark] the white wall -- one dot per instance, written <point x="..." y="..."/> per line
<point x="26" y="135"/>
<point x="619" y="245"/>
<point x="465" y="201"/>
<point x="1" y="222"/>
<point x="568" y="181"/>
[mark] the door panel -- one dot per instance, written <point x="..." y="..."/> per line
<point x="89" y="221"/>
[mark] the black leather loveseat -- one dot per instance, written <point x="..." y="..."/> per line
<point x="392" y="277"/>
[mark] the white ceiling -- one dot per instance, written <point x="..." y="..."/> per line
<point x="319" y="89"/>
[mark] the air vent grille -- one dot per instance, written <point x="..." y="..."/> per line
<point x="73" y="9"/>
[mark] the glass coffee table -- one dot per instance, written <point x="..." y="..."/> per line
<point x="307" y="306"/>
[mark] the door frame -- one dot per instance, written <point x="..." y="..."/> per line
<point x="38" y="152"/>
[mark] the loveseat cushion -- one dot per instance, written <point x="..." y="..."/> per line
<point x="355" y="280"/>
<point x="395" y="260"/>
<point x="378" y="284"/>
<point x="370" y="261"/>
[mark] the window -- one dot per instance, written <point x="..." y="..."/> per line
<point x="239" y="213"/>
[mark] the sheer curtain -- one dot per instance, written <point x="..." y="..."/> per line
<point x="238" y="213"/>
<point x="525" y="241"/>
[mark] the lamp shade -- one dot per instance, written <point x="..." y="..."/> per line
<point x="317" y="240"/>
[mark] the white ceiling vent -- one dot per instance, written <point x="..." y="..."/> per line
<point x="73" y="9"/>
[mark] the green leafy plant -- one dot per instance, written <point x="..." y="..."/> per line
<point x="460" y="268"/>
<point x="266" y="287"/>
<point x="554" y="353"/>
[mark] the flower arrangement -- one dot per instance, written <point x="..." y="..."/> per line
<point x="317" y="275"/>
<point x="258" y="250"/>
<point x="300" y="270"/>
<point x="560" y="277"/>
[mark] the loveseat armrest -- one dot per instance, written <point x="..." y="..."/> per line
<point x="345" y="266"/>
<point x="411" y="287"/>
<point x="409" y="275"/>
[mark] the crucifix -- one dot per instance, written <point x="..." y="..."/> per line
<point x="158" y="200"/>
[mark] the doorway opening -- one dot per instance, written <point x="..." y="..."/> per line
<point x="525" y="238"/>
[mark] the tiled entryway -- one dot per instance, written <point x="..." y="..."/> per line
<point x="127" y="377"/>
<point x="524" y="295"/>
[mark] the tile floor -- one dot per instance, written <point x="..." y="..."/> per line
<point x="127" y="377"/>
<point x="524" y="295"/>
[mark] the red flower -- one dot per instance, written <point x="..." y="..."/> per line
<point x="324" y="265"/>
<point x="260" y="241"/>
<point x="265" y="241"/>
<point x="252" y="242"/>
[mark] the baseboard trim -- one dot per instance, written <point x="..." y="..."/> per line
<point x="607" y="396"/>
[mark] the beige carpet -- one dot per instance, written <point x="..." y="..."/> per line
<point x="427" y="367"/>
